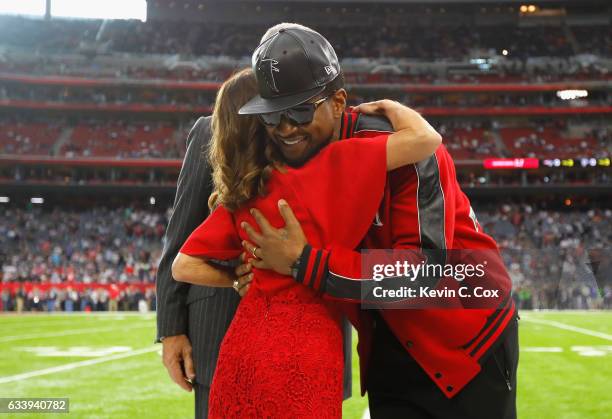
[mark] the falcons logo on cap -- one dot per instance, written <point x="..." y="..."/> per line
<point x="267" y="67"/>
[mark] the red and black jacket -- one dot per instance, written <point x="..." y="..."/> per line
<point x="423" y="207"/>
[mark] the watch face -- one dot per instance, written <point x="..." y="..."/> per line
<point x="295" y="268"/>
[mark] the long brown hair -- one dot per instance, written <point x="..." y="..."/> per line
<point x="240" y="156"/>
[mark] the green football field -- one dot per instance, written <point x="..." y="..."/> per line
<point x="108" y="367"/>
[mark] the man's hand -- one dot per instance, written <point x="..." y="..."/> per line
<point x="273" y="248"/>
<point x="176" y="355"/>
<point x="244" y="275"/>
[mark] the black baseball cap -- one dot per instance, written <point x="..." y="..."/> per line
<point x="291" y="67"/>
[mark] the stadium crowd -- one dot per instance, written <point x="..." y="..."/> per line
<point x="152" y="97"/>
<point x="23" y="136"/>
<point x="557" y="259"/>
<point x="507" y="71"/>
<point x="465" y="138"/>
<point x="106" y="259"/>
<point x="443" y="42"/>
<point x="122" y="139"/>
<point x="78" y="256"/>
<point x="92" y="137"/>
<point x="106" y="95"/>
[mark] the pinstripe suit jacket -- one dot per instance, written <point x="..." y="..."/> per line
<point x="202" y="313"/>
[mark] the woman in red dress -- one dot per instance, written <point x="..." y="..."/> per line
<point x="282" y="355"/>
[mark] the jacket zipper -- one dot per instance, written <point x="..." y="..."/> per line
<point x="504" y="372"/>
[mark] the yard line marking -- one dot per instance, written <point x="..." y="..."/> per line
<point x="570" y="328"/>
<point x="592" y="350"/>
<point x="68" y="333"/>
<point x="28" y="320"/>
<point x="541" y="349"/>
<point x="74" y="351"/>
<point x="67" y="322"/>
<point x="366" y="413"/>
<point x="73" y="365"/>
<point x="32" y="318"/>
<point x="42" y="324"/>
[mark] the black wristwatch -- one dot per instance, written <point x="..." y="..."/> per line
<point x="295" y="267"/>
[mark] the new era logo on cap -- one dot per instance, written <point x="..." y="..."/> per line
<point x="330" y="70"/>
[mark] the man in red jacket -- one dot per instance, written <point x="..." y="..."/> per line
<point x="425" y="362"/>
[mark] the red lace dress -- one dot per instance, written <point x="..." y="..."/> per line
<point x="282" y="354"/>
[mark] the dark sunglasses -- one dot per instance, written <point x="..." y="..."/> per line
<point x="298" y="115"/>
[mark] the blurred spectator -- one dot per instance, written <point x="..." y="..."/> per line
<point x="557" y="259"/>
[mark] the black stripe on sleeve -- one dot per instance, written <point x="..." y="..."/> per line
<point x="325" y="274"/>
<point x="342" y="125"/>
<point x="430" y="204"/>
<point x="349" y="126"/>
<point x="304" y="257"/>
<point x="315" y="268"/>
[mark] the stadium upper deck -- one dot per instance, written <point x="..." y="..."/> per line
<point x="426" y="31"/>
<point x="486" y="73"/>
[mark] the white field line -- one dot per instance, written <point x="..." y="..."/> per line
<point x="73" y="365"/>
<point x="69" y="333"/>
<point x="552" y="349"/>
<point x="42" y="319"/>
<point x="573" y="311"/>
<point x="366" y="413"/>
<point x="64" y="322"/>
<point x="48" y="318"/>
<point x="51" y="323"/>
<point x="569" y="327"/>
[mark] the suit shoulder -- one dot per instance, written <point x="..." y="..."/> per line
<point x="200" y="130"/>
<point x="202" y="124"/>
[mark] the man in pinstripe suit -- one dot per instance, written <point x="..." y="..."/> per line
<point x="191" y="319"/>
